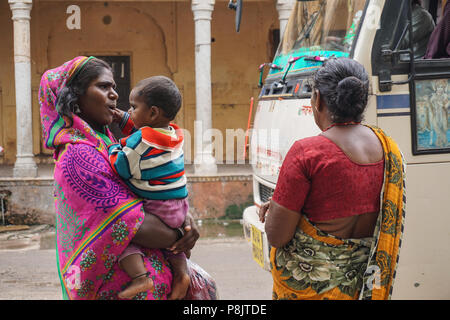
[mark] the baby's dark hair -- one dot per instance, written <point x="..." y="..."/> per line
<point x="162" y="92"/>
<point x="343" y="84"/>
<point x="67" y="101"/>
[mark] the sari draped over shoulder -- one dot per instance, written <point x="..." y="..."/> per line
<point x="315" y="265"/>
<point x="96" y="214"/>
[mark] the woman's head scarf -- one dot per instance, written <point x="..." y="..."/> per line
<point x="56" y="132"/>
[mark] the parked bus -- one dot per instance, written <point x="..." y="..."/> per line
<point x="408" y="99"/>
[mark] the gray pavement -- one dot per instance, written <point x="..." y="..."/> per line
<point x="27" y="271"/>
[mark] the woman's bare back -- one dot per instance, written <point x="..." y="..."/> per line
<point x="362" y="146"/>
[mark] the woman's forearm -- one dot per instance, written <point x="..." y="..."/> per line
<point x="280" y="224"/>
<point x="154" y="234"/>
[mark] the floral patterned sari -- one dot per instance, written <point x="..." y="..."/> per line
<point x="315" y="265"/>
<point x="96" y="214"/>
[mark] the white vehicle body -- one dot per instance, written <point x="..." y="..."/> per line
<point x="423" y="270"/>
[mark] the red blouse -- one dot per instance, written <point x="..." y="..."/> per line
<point x="318" y="179"/>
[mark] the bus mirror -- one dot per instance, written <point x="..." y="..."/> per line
<point x="237" y="6"/>
<point x="384" y="77"/>
<point x="385" y="82"/>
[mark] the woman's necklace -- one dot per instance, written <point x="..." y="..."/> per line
<point x="341" y="124"/>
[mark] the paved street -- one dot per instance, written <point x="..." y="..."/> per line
<point x="30" y="273"/>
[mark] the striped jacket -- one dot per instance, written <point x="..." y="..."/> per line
<point x="150" y="161"/>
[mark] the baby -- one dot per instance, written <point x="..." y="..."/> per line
<point x="150" y="160"/>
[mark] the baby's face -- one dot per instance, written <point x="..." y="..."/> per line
<point x="139" y="111"/>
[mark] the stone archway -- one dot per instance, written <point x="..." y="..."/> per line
<point x="115" y="29"/>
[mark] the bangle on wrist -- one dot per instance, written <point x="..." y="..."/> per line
<point x="180" y="233"/>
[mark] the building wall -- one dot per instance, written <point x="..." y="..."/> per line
<point x="7" y="91"/>
<point x="31" y="201"/>
<point x="159" y="38"/>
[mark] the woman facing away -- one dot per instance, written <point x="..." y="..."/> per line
<point x="335" y="220"/>
<point x="97" y="216"/>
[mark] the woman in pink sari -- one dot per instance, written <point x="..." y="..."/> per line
<point x="97" y="216"/>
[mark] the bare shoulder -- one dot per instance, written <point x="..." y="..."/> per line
<point x="369" y="145"/>
<point x="360" y="143"/>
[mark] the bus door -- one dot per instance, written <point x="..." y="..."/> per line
<point x="413" y="94"/>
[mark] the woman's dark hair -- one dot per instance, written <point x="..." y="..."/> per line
<point x="343" y="84"/>
<point x="67" y="101"/>
<point x="162" y="92"/>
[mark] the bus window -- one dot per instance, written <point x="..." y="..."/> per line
<point x="422" y="27"/>
<point x="322" y="25"/>
<point x="430" y="40"/>
<point x="439" y="44"/>
<point x="317" y="29"/>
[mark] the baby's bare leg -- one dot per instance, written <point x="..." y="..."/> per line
<point x="134" y="266"/>
<point x="181" y="279"/>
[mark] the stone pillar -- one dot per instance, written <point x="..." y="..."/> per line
<point x="24" y="165"/>
<point x="204" y="162"/>
<point x="284" y="8"/>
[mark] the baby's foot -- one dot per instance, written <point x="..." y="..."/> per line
<point x="139" y="284"/>
<point x="180" y="286"/>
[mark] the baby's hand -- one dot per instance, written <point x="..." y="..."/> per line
<point x="117" y="115"/>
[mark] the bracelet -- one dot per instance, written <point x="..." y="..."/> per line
<point x="180" y="233"/>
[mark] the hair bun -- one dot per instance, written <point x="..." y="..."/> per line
<point x="343" y="84"/>
<point x="349" y="84"/>
<point x="351" y="96"/>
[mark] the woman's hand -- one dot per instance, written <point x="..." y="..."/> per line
<point x="154" y="234"/>
<point x="190" y="237"/>
<point x="264" y="210"/>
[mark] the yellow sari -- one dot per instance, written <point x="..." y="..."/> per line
<point x="315" y="265"/>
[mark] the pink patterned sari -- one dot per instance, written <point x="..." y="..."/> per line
<point x="96" y="214"/>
